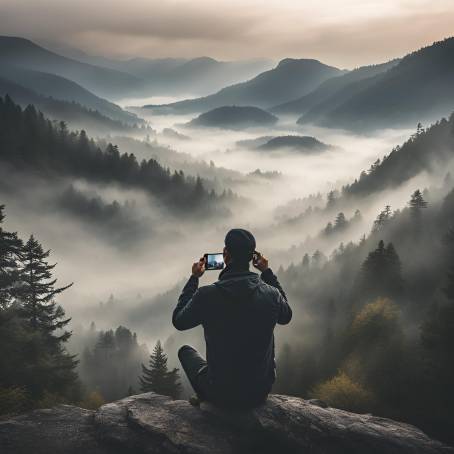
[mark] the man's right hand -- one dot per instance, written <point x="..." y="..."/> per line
<point x="198" y="268"/>
<point x="260" y="262"/>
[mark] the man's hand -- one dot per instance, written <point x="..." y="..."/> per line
<point x="260" y="262"/>
<point x="198" y="268"/>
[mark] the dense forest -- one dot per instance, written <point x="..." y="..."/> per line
<point x="68" y="111"/>
<point x="30" y="141"/>
<point x="427" y="149"/>
<point x="379" y="337"/>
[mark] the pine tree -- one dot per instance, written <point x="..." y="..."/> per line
<point x="340" y="222"/>
<point x="417" y="204"/>
<point x="328" y="229"/>
<point x="357" y="216"/>
<point x="49" y="367"/>
<point x="318" y="259"/>
<point x="331" y="199"/>
<point x="10" y="248"/>
<point x="393" y="271"/>
<point x="38" y="291"/>
<point x="199" y="191"/>
<point x="157" y="377"/>
<point x="382" y="219"/>
<point x="380" y="274"/>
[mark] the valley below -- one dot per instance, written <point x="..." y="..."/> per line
<point x="343" y="176"/>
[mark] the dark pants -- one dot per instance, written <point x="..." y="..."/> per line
<point x="196" y="369"/>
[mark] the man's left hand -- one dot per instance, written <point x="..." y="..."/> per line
<point x="198" y="268"/>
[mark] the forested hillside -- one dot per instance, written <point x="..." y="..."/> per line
<point x="289" y="79"/>
<point x="333" y="90"/>
<point x="428" y="150"/>
<point x="377" y="317"/>
<point x="29" y="141"/>
<point x="24" y="53"/>
<point x="71" y="112"/>
<point x="60" y="88"/>
<point x="418" y="88"/>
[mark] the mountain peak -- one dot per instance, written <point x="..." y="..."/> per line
<point x="299" y="62"/>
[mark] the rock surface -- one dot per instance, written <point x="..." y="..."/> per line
<point x="153" y="424"/>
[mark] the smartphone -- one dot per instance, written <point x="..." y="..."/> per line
<point x="214" y="261"/>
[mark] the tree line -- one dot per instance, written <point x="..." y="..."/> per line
<point x="378" y="319"/>
<point x="30" y="141"/>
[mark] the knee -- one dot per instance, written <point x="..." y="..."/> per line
<point x="183" y="349"/>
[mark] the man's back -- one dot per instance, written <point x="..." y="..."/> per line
<point x="238" y="314"/>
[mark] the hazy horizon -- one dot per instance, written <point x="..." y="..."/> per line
<point x="346" y="35"/>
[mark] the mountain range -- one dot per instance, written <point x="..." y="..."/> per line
<point x="105" y="82"/>
<point x="290" y="79"/>
<point x="60" y="88"/>
<point x="399" y="93"/>
<point x="80" y="117"/>
<point x="178" y="76"/>
<point x="333" y="90"/>
<point x="417" y="88"/>
<point x="420" y="87"/>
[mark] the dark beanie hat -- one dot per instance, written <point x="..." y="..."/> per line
<point x="241" y="244"/>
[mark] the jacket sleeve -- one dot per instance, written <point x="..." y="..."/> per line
<point x="285" y="311"/>
<point x="187" y="314"/>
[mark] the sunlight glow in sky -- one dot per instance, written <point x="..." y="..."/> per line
<point x="345" y="33"/>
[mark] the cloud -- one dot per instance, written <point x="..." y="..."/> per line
<point x="345" y="33"/>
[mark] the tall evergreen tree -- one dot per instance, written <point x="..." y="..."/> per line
<point x="340" y="222"/>
<point x="329" y="228"/>
<point x="318" y="259"/>
<point x="417" y="204"/>
<point x="10" y="248"/>
<point x="331" y="199"/>
<point x="33" y="327"/>
<point x="38" y="292"/>
<point x="157" y="377"/>
<point x="382" y="219"/>
<point x="380" y="274"/>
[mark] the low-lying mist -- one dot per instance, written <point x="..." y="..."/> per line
<point x="110" y="240"/>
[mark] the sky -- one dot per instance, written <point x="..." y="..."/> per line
<point x="344" y="33"/>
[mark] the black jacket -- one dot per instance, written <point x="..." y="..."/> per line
<point x="238" y="314"/>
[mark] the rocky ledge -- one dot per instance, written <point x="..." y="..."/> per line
<point x="153" y="424"/>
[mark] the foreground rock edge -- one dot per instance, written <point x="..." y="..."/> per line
<point x="154" y="424"/>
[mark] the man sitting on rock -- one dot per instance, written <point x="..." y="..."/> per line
<point x="238" y="314"/>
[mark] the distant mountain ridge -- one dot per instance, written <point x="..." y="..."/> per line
<point x="419" y="88"/>
<point x="103" y="81"/>
<point x="78" y="116"/>
<point x="50" y="85"/>
<point x="329" y="90"/>
<point x="305" y="144"/>
<point x="290" y="79"/>
<point x="179" y="76"/>
<point x="234" y="117"/>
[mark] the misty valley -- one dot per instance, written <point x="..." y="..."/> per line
<point x="117" y="175"/>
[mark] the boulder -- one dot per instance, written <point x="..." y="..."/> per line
<point x="154" y="424"/>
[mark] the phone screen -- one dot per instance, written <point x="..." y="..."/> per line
<point x="214" y="261"/>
